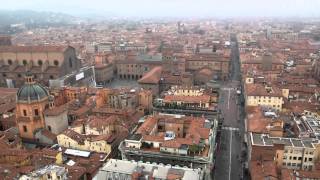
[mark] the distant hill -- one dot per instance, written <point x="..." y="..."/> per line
<point x="32" y="18"/>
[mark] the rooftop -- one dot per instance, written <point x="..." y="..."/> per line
<point x="261" y="90"/>
<point x="33" y="48"/>
<point x="266" y="140"/>
<point x="140" y="169"/>
<point x="152" y="77"/>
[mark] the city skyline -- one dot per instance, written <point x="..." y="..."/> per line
<point x="174" y="8"/>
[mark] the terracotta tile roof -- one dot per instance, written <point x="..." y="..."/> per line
<point x="104" y="137"/>
<point x="171" y="144"/>
<point x="55" y="110"/>
<point x="7" y="107"/>
<point x="80" y="111"/>
<point x="152" y="77"/>
<point x="153" y="138"/>
<point x="76" y="172"/>
<point x="147" y="126"/>
<point x="177" y="142"/>
<point x="49" y="134"/>
<point x="33" y="48"/>
<point x="102" y="121"/>
<point x="74" y="135"/>
<point x="194" y="130"/>
<point x="260" y="90"/>
<point x="261" y="170"/>
<point x="205" y="71"/>
<point x="290" y="174"/>
<point x="8" y="139"/>
<point x="256" y="121"/>
<point x="300" y="106"/>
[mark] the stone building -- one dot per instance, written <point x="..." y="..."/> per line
<point x="44" y="62"/>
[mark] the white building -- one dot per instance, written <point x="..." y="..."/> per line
<point x="127" y="170"/>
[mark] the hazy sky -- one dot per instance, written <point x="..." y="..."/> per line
<point x="178" y="8"/>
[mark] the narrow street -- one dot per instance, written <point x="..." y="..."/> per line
<point x="229" y="162"/>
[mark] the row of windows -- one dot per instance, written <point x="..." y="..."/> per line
<point x="292" y="158"/>
<point x="297" y="151"/>
<point x="20" y="75"/>
<point x="125" y="76"/>
<point x="68" y="144"/>
<point x="40" y="62"/>
<point x="296" y="165"/>
<point x="265" y="97"/>
<point x="274" y="106"/>
<point x="297" y="158"/>
<point x="140" y="66"/>
<point x="36" y="112"/>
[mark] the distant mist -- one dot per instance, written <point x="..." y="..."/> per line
<point x="173" y="8"/>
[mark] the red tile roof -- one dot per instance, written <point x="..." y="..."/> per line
<point x="261" y="170"/>
<point x="33" y="48"/>
<point x="152" y="77"/>
<point x="260" y="90"/>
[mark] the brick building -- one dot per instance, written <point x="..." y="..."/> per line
<point x="32" y="100"/>
<point x="44" y="62"/>
<point x="218" y="63"/>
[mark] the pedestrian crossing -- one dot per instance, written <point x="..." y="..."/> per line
<point x="230" y="128"/>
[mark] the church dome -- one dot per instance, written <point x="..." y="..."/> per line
<point x="31" y="91"/>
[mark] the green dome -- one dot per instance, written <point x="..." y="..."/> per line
<point x="31" y="92"/>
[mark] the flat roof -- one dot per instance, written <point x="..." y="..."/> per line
<point x="75" y="152"/>
<point x="158" y="171"/>
<point x="266" y="140"/>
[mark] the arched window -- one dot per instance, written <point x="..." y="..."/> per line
<point x="51" y="77"/>
<point x="19" y="75"/>
<point x="4" y="74"/>
<point x="24" y="62"/>
<point x="9" y="61"/>
<point x="40" y="62"/>
<point x="56" y="62"/>
<point x="70" y="62"/>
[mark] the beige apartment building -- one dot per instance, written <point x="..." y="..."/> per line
<point x="291" y="153"/>
<point x="95" y="133"/>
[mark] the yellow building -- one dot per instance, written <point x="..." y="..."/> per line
<point x="74" y="140"/>
<point x="263" y="95"/>
<point x="187" y="91"/>
<point x="95" y="133"/>
<point x="189" y="97"/>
